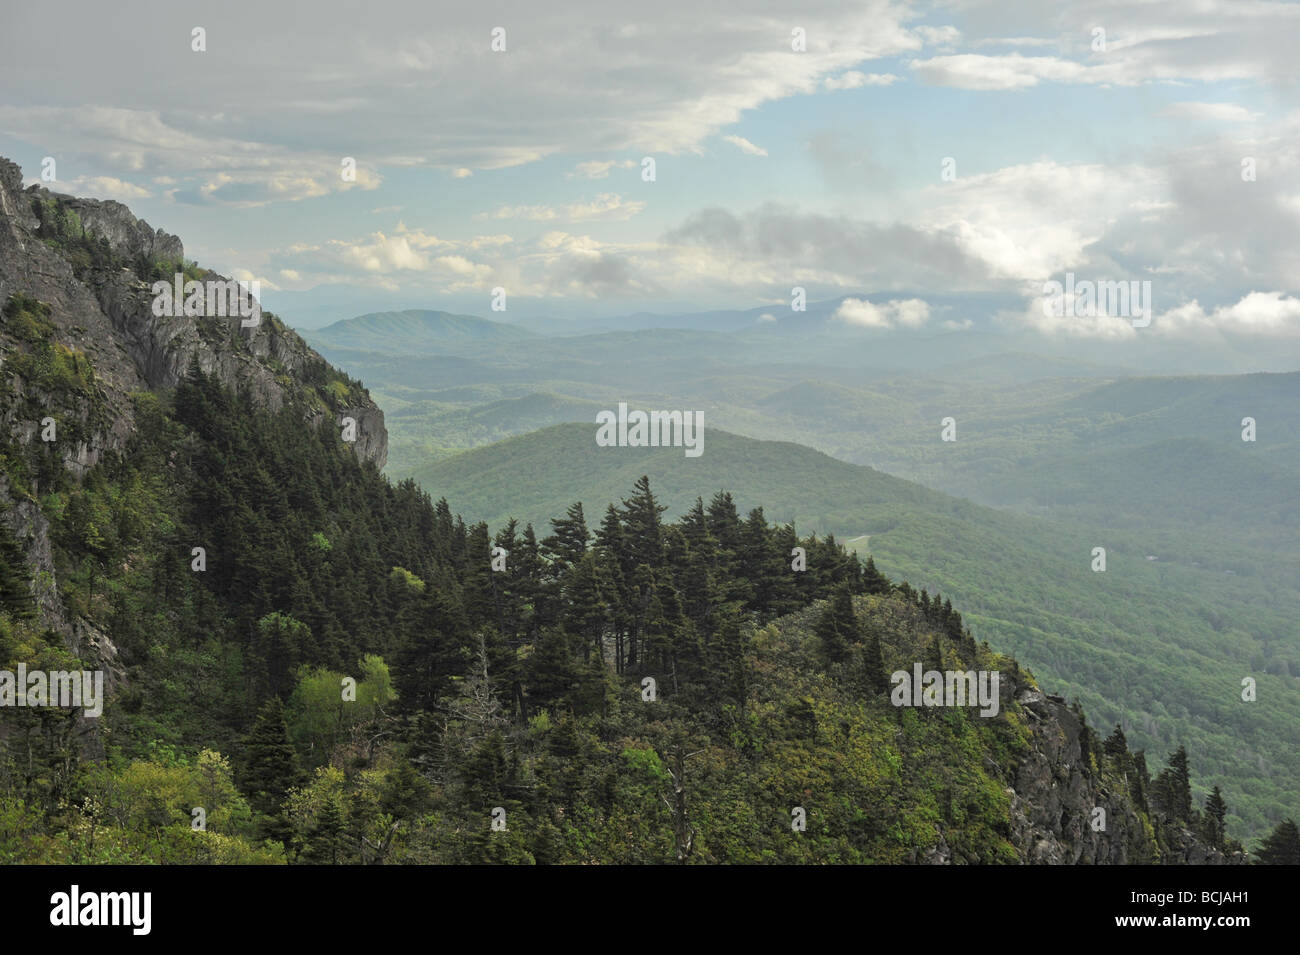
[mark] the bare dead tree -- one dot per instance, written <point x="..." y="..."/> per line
<point x="683" y="831"/>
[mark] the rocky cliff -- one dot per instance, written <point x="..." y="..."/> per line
<point x="87" y="268"/>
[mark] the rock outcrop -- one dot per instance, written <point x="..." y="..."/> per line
<point x="1056" y="795"/>
<point x="101" y="307"/>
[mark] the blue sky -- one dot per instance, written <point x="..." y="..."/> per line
<point x="521" y="169"/>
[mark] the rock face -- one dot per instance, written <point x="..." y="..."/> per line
<point x="1055" y="795"/>
<point x="107" y="314"/>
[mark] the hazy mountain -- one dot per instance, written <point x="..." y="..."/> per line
<point x="413" y="330"/>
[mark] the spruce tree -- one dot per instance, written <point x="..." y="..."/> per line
<point x="271" y="769"/>
<point x="1216" y="810"/>
<point x="935" y="655"/>
<point x="837" y="627"/>
<point x="569" y="537"/>
<point x="875" y="679"/>
<point x="874" y="581"/>
<point x="324" y="844"/>
<point x="643" y="526"/>
<point x="1182" y="791"/>
<point x="1282" y="847"/>
<point x="15" y="595"/>
<point x="1116" y="744"/>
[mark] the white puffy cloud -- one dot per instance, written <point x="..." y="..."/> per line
<point x="854" y="79"/>
<point x="1218" y="112"/>
<point x="1032" y="220"/>
<point x="1270" y="314"/>
<point x="976" y="71"/>
<point x="745" y="146"/>
<point x="904" y="313"/>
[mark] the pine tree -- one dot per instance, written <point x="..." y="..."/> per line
<point x="1182" y="783"/>
<point x="611" y="558"/>
<point x="765" y="567"/>
<point x="476" y="576"/>
<point x="934" y="654"/>
<point x="1172" y="790"/>
<point x="324" y="843"/>
<point x="874" y="581"/>
<point x="568" y="541"/>
<point x="1282" y="847"/>
<point x="585" y="612"/>
<point x="1216" y="810"/>
<point x="837" y="627"/>
<point x="1141" y="781"/>
<point x="529" y="569"/>
<point x="1116" y="744"/>
<point x="952" y="622"/>
<point x="278" y="645"/>
<point x="875" y="679"/>
<point x="15" y="595"/>
<point x="642" y="525"/>
<point x="271" y="769"/>
<point x="434" y="648"/>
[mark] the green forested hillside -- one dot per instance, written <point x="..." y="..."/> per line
<point x="1159" y="645"/>
<point x="1042" y="435"/>
<point x="516" y="694"/>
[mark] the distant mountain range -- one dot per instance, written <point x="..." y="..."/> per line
<point x="413" y="329"/>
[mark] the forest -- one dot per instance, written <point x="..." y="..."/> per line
<point x="345" y="678"/>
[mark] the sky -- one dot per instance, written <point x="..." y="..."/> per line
<point x="885" y="151"/>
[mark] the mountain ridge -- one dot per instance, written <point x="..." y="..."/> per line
<point x="203" y="528"/>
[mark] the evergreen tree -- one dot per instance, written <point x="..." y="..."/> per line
<point x="1116" y="744"/>
<point x="1172" y="788"/>
<point x="934" y="654"/>
<point x="271" y="769"/>
<point x="1141" y="781"/>
<point x="278" y="645"/>
<point x="874" y="581"/>
<point x="585" y="607"/>
<point x="837" y="627"/>
<point x="643" y="527"/>
<point x="325" y="843"/>
<point x="1182" y="777"/>
<point x="1216" y="810"/>
<point x="875" y="678"/>
<point x="15" y="594"/>
<point x="1282" y="847"/>
<point x="434" y="650"/>
<point x="567" y="543"/>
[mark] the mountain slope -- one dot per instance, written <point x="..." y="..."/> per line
<point x="1159" y="645"/>
<point x="204" y="531"/>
